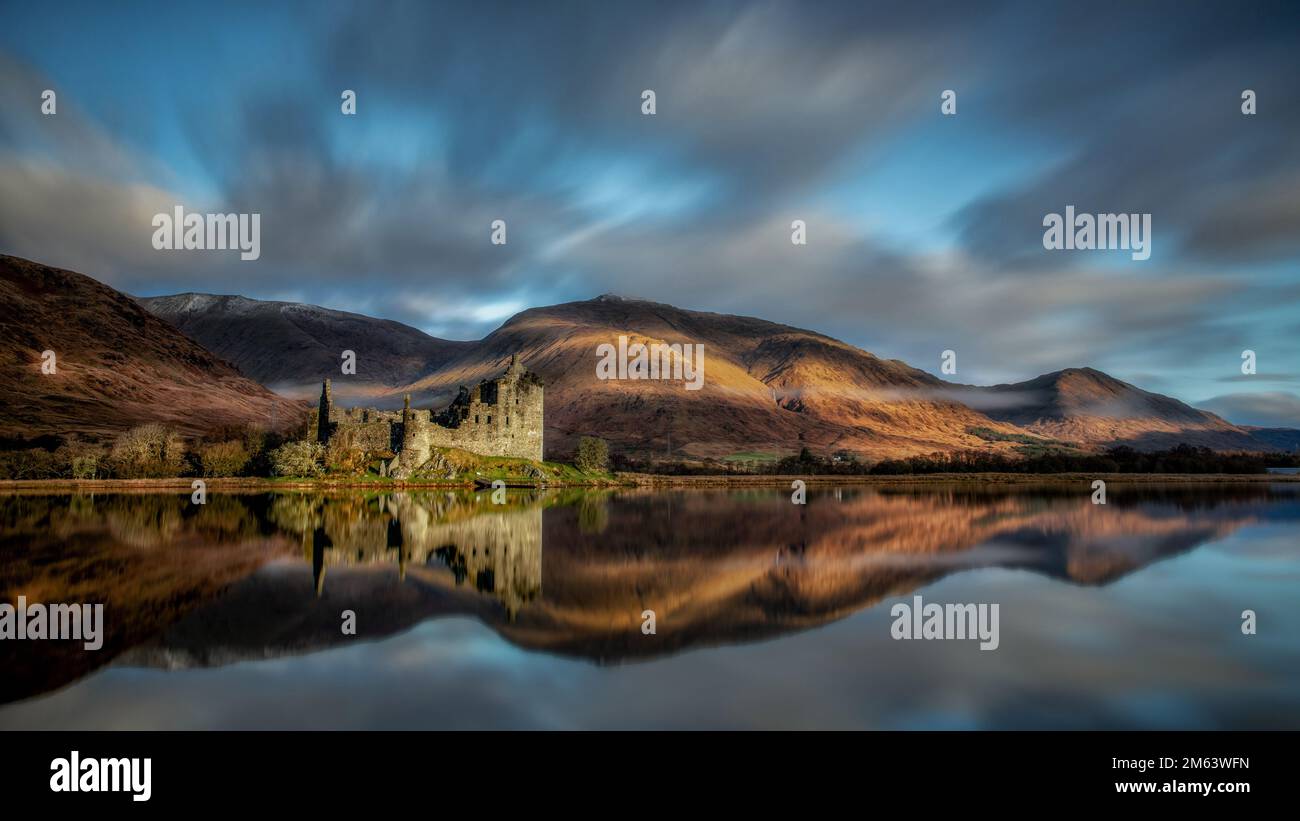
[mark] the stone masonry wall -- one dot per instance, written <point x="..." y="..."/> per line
<point x="501" y="417"/>
<point x="509" y="426"/>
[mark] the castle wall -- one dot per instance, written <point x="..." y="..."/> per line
<point x="374" y="436"/>
<point x="511" y="426"/>
<point x="502" y="417"/>
<point x="496" y="552"/>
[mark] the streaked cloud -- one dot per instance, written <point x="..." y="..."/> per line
<point x="924" y="230"/>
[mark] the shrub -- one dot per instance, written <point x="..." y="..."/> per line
<point x="80" y="460"/>
<point x="34" y="463"/>
<point x="593" y="455"/>
<point x="222" y="458"/>
<point x="344" y="454"/>
<point x="147" y="451"/>
<point x="251" y="437"/>
<point x="301" y="458"/>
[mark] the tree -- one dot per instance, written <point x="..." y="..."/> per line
<point x="150" y="451"/>
<point x="222" y="458"/>
<point x="593" y="455"/>
<point x="80" y="460"/>
<point x="34" y="463"/>
<point x="301" y="458"/>
<point x="345" y="454"/>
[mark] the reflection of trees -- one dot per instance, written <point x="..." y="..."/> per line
<point x="137" y="519"/>
<point x="81" y="507"/>
<point x="593" y="515"/>
<point x="148" y="520"/>
<point x="296" y="513"/>
<point x="1183" y="496"/>
<point x="144" y="520"/>
<point x="228" y="516"/>
<point x="21" y="514"/>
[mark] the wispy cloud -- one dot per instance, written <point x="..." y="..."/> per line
<point x="924" y="230"/>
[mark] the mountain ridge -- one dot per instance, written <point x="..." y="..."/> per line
<point x="770" y="388"/>
<point x="291" y="346"/>
<point x="842" y="397"/>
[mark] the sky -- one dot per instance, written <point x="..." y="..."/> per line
<point x="924" y="230"/>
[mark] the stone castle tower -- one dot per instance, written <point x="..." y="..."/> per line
<point x="324" y="414"/>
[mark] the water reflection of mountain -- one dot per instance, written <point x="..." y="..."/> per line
<point x="149" y="558"/>
<point x="267" y="575"/>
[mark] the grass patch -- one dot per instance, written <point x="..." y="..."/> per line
<point x="990" y="435"/>
<point x="461" y="465"/>
<point x="752" y="457"/>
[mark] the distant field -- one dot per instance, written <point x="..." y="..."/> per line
<point x="752" y="456"/>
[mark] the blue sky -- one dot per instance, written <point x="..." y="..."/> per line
<point x="924" y="230"/>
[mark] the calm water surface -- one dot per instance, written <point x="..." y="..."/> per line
<point x="769" y="614"/>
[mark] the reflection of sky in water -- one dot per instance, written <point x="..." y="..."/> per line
<point x="1160" y="648"/>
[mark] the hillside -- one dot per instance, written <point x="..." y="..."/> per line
<point x="769" y="388"/>
<point x="290" y="347"/>
<point x="1087" y="406"/>
<point x="117" y="365"/>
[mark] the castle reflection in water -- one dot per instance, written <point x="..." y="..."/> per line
<point x="495" y="548"/>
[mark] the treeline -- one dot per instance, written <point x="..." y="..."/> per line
<point x="150" y="451"/>
<point x="156" y="451"/>
<point x="1121" y="459"/>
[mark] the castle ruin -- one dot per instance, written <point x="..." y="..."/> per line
<point x="497" y="417"/>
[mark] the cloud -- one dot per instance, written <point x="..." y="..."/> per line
<point x="1271" y="377"/>
<point x="475" y="112"/>
<point x="1276" y="409"/>
<point x="1153" y="125"/>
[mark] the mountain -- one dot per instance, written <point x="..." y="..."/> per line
<point x="768" y="388"/>
<point x="1287" y="439"/>
<point x="1089" y="407"/>
<point x="774" y="388"/>
<point x="290" y="347"/>
<point x="116" y="364"/>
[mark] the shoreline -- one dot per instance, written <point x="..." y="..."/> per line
<point x="823" y="480"/>
<point x="640" y="480"/>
